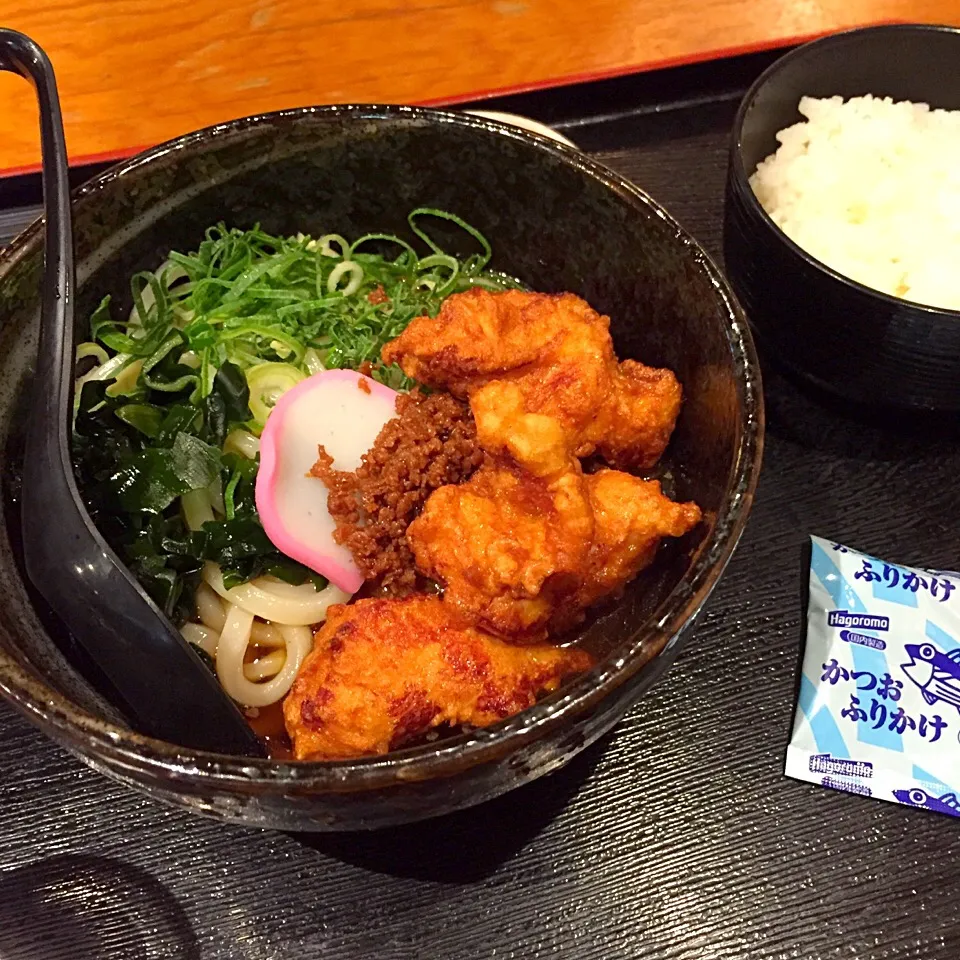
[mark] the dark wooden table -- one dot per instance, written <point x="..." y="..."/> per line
<point x="676" y="838"/>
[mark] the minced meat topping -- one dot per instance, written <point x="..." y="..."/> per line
<point x="430" y="443"/>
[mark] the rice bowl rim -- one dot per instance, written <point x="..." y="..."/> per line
<point x="742" y="178"/>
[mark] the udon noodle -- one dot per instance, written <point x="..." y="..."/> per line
<point x="257" y="634"/>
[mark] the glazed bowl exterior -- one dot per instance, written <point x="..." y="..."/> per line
<point x="558" y="222"/>
<point x="851" y="341"/>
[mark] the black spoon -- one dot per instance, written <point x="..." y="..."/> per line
<point x="163" y="684"/>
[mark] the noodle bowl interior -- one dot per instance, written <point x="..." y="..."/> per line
<point x="483" y="508"/>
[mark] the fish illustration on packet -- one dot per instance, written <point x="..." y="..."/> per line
<point x="878" y="711"/>
<point x="937" y="674"/>
<point x="916" y="797"/>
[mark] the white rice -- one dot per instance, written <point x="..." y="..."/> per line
<point x="872" y="189"/>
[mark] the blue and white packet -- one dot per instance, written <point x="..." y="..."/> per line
<point x="878" y="712"/>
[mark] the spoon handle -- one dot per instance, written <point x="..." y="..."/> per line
<point x="156" y="675"/>
<point x="20" y="55"/>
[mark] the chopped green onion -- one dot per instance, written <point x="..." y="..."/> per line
<point x="313" y="361"/>
<point x="267" y="383"/>
<point x="197" y="509"/>
<point x="340" y="271"/>
<point x="126" y="380"/>
<point x="94" y="350"/>
<point x="323" y="245"/>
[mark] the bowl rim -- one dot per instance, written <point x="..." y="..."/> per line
<point x="135" y="756"/>
<point x="742" y="179"/>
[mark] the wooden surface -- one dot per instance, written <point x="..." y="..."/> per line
<point x="135" y="72"/>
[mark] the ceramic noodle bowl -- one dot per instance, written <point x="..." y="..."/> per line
<point x="556" y="221"/>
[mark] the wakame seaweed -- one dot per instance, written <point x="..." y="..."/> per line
<point x="167" y="419"/>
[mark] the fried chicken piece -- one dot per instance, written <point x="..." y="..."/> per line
<point x="384" y="672"/>
<point x="518" y="554"/>
<point x="641" y="416"/>
<point x="506" y="544"/>
<point x="542" y="378"/>
<point x="631" y="518"/>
